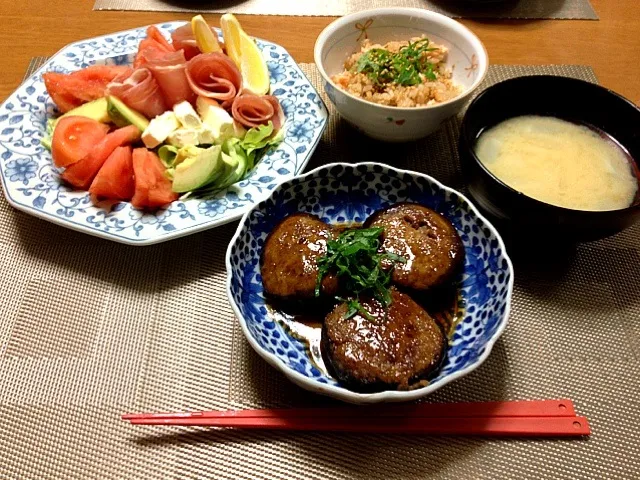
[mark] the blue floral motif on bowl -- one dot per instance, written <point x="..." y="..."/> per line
<point x="350" y="193"/>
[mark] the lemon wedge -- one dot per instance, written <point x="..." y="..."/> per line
<point x="244" y="52"/>
<point x="205" y="39"/>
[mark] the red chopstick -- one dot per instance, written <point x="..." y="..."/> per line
<point x="498" y="426"/>
<point x="533" y="418"/>
<point x="524" y="408"/>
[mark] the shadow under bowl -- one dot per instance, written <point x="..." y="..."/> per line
<point x="566" y="98"/>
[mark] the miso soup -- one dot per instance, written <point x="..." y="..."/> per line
<point x="559" y="162"/>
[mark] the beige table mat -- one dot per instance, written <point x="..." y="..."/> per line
<point x="90" y="329"/>
<point x="560" y="9"/>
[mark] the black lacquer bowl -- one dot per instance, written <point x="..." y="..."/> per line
<point x="567" y="98"/>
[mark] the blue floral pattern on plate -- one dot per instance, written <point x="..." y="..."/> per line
<point x="31" y="183"/>
<point x="350" y="193"/>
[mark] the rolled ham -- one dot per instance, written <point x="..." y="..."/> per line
<point x="154" y="47"/>
<point x="155" y="34"/>
<point x="170" y="73"/>
<point x="139" y="91"/>
<point x="183" y="39"/>
<point x="214" y="75"/>
<point x="252" y="110"/>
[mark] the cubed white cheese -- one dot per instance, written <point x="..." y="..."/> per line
<point x="159" y="129"/>
<point x="219" y="121"/>
<point x="187" y="115"/>
<point x="205" y="135"/>
<point x="183" y="137"/>
<point x="205" y="105"/>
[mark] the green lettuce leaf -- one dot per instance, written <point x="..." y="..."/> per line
<point x="243" y="153"/>
<point x="233" y="148"/>
<point x="257" y="137"/>
<point x="259" y="140"/>
<point x="167" y="155"/>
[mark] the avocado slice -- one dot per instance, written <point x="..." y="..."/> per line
<point x="230" y="164"/>
<point x="198" y="170"/>
<point x="48" y="134"/>
<point x="185" y="152"/>
<point x="168" y="155"/>
<point x="96" y="110"/>
<point x="239" y="163"/>
<point x="122" y="115"/>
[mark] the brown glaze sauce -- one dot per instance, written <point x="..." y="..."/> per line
<point x="444" y="304"/>
<point x="305" y="324"/>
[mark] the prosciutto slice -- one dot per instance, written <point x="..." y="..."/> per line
<point x="154" y="34"/>
<point x="154" y="47"/>
<point x="170" y="73"/>
<point x="253" y="110"/>
<point x="183" y="38"/>
<point x="214" y="75"/>
<point x="140" y="91"/>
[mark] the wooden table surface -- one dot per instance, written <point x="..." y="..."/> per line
<point x="611" y="45"/>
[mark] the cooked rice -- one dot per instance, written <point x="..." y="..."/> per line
<point x="429" y="92"/>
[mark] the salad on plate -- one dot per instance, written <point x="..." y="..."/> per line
<point x="191" y="116"/>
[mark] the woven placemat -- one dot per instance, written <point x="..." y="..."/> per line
<point x="558" y="9"/>
<point x="91" y="329"/>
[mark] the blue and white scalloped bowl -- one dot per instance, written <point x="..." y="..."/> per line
<point x="31" y="183"/>
<point x="340" y="193"/>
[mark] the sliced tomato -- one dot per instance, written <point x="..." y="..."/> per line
<point x="74" y="137"/>
<point x="82" y="173"/>
<point x="70" y="90"/>
<point x="115" y="179"/>
<point x="153" y="188"/>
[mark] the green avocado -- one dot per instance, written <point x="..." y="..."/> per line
<point x="96" y="110"/>
<point x="238" y="164"/>
<point x="198" y="170"/>
<point x="46" y="142"/>
<point x="168" y="155"/>
<point x="122" y="115"/>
